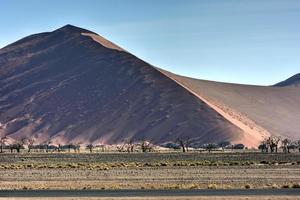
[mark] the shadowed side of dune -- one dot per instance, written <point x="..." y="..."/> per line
<point x="64" y="86"/>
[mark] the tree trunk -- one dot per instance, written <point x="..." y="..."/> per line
<point x="183" y="149"/>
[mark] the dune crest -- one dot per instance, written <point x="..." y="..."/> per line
<point x="104" y="42"/>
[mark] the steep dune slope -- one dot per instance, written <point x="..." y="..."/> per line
<point x="270" y="110"/>
<point x="71" y="85"/>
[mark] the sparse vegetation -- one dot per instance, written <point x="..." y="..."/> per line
<point x="271" y="145"/>
<point x="248" y="186"/>
<point x="90" y="147"/>
<point x="185" y="171"/>
<point x="212" y="186"/>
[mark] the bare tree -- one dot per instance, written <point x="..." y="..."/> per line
<point x="30" y="142"/>
<point x="130" y="145"/>
<point x="286" y="144"/>
<point x="77" y="147"/>
<point x="70" y="146"/>
<point x="224" y="144"/>
<point x="17" y="145"/>
<point x="264" y="145"/>
<point x="210" y="146"/>
<point x="90" y="147"/>
<point x="146" y="146"/>
<point x="298" y="145"/>
<point x="184" y="144"/>
<point x="59" y="147"/>
<point x="2" y="143"/>
<point x="274" y="143"/>
<point x="47" y="145"/>
<point x="121" y="147"/>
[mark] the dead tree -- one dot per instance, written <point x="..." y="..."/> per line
<point x="18" y="145"/>
<point x="120" y="148"/>
<point x="90" y="147"/>
<point x="273" y="143"/>
<point x="223" y="144"/>
<point x="264" y="145"/>
<point x="30" y="144"/>
<point x="146" y="146"/>
<point x="59" y="148"/>
<point x="77" y="148"/>
<point x="2" y="143"/>
<point x="47" y="145"/>
<point x="184" y="144"/>
<point x="130" y="145"/>
<point x="210" y="146"/>
<point x="286" y="144"/>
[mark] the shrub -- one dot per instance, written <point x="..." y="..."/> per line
<point x="234" y="163"/>
<point x="238" y="146"/>
<point x="29" y="165"/>
<point x="264" y="162"/>
<point x="248" y="186"/>
<point x="212" y="186"/>
<point x="296" y="185"/>
<point x="192" y="187"/>
<point x="285" y="186"/>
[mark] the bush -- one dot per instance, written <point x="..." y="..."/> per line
<point x="238" y="146"/>
<point x="193" y="187"/>
<point x="212" y="186"/>
<point x="285" y="186"/>
<point x="264" y="162"/>
<point x="296" y="185"/>
<point x="248" y="186"/>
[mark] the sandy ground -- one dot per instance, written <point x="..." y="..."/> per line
<point x="149" y="178"/>
<point x="148" y="171"/>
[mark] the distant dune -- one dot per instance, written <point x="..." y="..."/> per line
<point x="292" y="81"/>
<point x="72" y="85"/>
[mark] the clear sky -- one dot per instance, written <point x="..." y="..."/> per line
<point x="241" y="41"/>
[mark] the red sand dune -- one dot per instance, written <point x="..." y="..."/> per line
<point x="72" y="85"/>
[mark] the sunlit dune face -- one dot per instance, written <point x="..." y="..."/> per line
<point x="103" y="41"/>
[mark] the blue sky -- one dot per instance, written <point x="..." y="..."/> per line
<point x="241" y="41"/>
